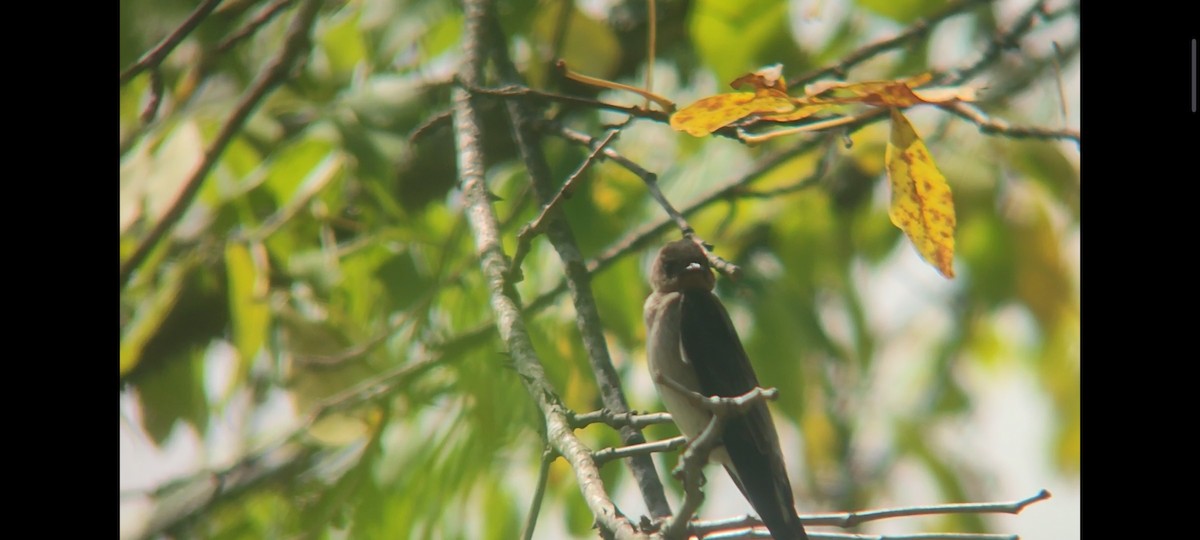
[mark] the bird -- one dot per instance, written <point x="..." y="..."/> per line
<point x="691" y="340"/>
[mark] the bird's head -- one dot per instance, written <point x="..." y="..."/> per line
<point x="681" y="265"/>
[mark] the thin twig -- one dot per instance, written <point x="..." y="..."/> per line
<point x="566" y="9"/>
<point x="618" y="420"/>
<point x="662" y="101"/>
<point x="744" y="533"/>
<point x="538" y="225"/>
<point x="828" y="123"/>
<point x="852" y="519"/>
<point x="535" y="506"/>
<point x="260" y="19"/>
<point x="651" y="180"/>
<point x="295" y="43"/>
<point x="578" y="276"/>
<point x="156" y="95"/>
<point x="1058" y="81"/>
<point x="804" y="183"/>
<point x="997" y="126"/>
<point x="283" y="453"/>
<point x="515" y="91"/>
<point x="915" y="30"/>
<point x="433" y="122"/>
<point x="155" y="55"/>
<point x="1000" y="42"/>
<point x="605" y="455"/>
<point x="651" y="39"/>
<point x="691" y="463"/>
<point x="494" y="264"/>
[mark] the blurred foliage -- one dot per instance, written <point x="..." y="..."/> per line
<point x="327" y="249"/>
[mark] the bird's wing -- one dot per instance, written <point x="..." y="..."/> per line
<point x="711" y="345"/>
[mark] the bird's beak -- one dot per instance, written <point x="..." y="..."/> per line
<point x="697" y="276"/>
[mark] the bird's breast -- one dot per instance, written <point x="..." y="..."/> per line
<point x="664" y="354"/>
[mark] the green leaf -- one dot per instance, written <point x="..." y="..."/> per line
<point x="173" y="392"/>
<point x="248" y="308"/>
<point x="342" y="43"/>
<point x="151" y="312"/>
<point x="903" y="11"/>
<point x="734" y="38"/>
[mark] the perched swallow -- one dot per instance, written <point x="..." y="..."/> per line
<point x="690" y="339"/>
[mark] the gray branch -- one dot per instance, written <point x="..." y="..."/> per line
<point x="495" y="265"/>
<point x="558" y="230"/>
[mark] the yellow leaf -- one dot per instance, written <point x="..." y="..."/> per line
<point x="946" y="94"/>
<point x="770" y="77"/>
<point x="715" y="112"/>
<point x="901" y="93"/>
<point x="799" y="114"/>
<point x="921" y="206"/>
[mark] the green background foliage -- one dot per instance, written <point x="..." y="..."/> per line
<point x="325" y="262"/>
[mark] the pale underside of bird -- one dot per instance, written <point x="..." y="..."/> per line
<point x="692" y="342"/>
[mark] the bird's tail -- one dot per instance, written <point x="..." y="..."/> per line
<point x="783" y="523"/>
<point x="784" y="526"/>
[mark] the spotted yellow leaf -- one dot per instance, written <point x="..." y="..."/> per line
<point x="921" y="205"/>
<point x="715" y="112"/>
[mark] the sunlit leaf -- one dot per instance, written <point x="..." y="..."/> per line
<point x="715" y="112"/>
<point x="151" y="312"/>
<point x="767" y="78"/>
<point x="904" y="11"/>
<point x="921" y="202"/>
<point x="248" y="306"/>
<point x="899" y="93"/>
<point x="729" y="36"/>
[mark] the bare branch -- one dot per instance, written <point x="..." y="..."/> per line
<point x="1001" y="42"/>
<point x="915" y="30"/>
<point x="605" y="455"/>
<point x="155" y="56"/>
<point x="651" y="181"/>
<point x="1000" y="127"/>
<point x="521" y="91"/>
<point x="618" y="420"/>
<point x="538" y="225"/>
<point x="548" y="457"/>
<point x="259" y="20"/>
<point x="804" y="183"/>
<point x="852" y="519"/>
<point x="578" y="275"/>
<point x="691" y="464"/>
<point x="276" y="460"/>
<point x="156" y="94"/>
<point x="485" y="227"/>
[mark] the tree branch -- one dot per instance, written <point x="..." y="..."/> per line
<point x="191" y="496"/>
<point x="538" y="225"/>
<point x="262" y="18"/>
<point x="155" y="56"/>
<point x="605" y="455"/>
<point x="535" y="506"/>
<point x="482" y="218"/>
<point x="651" y="181"/>
<point x="587" y="316"/>
<point x="1000" y="127"/>
<point x="296" y="43"/>
<point x="851" y="519"/>
<point x="915" y="30"/>
<point x="691" y="464"/>
<point x="619" y="420"/>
